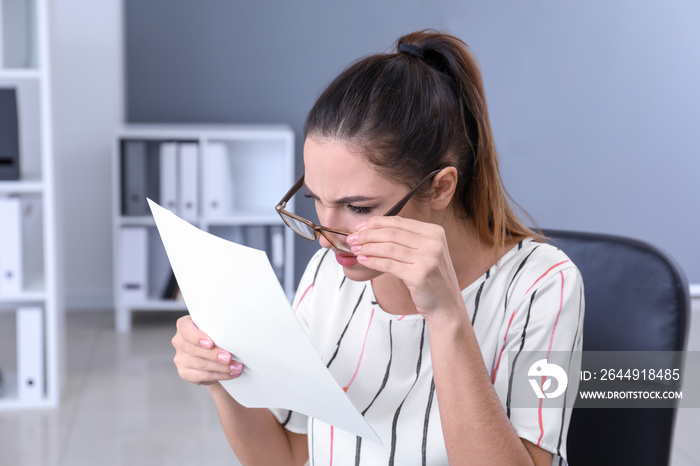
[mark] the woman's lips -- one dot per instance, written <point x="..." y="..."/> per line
<point x="346" y="260"/>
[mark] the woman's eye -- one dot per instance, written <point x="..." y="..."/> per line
<point x="359" y="210"/>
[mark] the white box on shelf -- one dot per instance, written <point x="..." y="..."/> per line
<point x="133" y="264"/>
<point x="10" y="245"/>
<point x="218" y="189"/>
<point x="189" y="176"/>
<point x="168" y="175"/>
<point x="30" y="354"/>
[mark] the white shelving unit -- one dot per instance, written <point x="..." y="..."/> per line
<point x="241" y="172"/>
<point x="25" y="67"/>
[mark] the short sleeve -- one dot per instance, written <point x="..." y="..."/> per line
<point x="302" y="306"/>
<point x="548" y="320"/>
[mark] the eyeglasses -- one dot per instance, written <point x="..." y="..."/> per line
<point x="309" y="230"/>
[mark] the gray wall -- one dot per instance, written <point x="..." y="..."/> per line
<point x="595" y="105"/>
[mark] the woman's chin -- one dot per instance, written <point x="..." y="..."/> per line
<point x="360" y="273"/>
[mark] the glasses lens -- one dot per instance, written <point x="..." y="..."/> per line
<point x="339" y="241"/>
<point x="298" y="227"/>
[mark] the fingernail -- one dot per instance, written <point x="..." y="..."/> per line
<point x="205" y="343"/>
<point x="352" y="238"/>
<point x="362" y="259"/>
<point x="223" y="357"/>
<point x="360" y="226"/>
<point x="356" y="248"/>
<point x="236" y="367"/>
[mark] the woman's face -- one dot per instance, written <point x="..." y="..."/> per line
<point x="346" y="191"/>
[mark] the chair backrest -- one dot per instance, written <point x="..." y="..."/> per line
<point x="637" y="299"/>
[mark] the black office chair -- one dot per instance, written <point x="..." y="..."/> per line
<point x="637" y="299"/>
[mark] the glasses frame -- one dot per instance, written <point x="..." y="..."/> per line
<point x="319" y="229"/>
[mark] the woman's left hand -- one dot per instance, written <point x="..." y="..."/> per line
<point x="414" y="252"/>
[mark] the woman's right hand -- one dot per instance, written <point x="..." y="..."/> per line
<point x="197" y="359"/>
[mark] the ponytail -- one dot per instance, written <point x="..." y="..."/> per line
<point x="418" y="109"/>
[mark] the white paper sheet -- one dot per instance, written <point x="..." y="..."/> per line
<point x="233" y="295"/>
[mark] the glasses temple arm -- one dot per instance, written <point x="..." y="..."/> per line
<point x="397" y="208"/>
<point x="291" y="191"/>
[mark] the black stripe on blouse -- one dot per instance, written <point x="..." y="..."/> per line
<point x="398" y="410"/>
<point x="388" y="368"/>
<point x="358" y="443"/>
<point x="512" y="280"/>
<point x="286" y="421"/>
<point x="478" y="296"/>
<point x="358" y="449"/>
<point x="337" y="348"/>
<point x="427" y="420"/>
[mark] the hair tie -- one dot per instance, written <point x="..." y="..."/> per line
<point x="413" y="50"/>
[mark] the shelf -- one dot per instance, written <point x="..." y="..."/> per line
<point x="156" y="305"/>
<point x="33" y="292"/>
<point x="232" y="220"/>
<point x="20" y="73"/>
<point x="25" y="68"/>
<point x="140" y="221"/>
<point x="244" y="219"/>
<point x="224" y="179"/>
<point x="188" y="131"/>
<point x="23" y="297"/>
<point x="136" y="221"/>
<point x="21" y="187"/>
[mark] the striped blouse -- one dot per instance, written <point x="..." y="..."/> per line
<point x="532" y="299"/>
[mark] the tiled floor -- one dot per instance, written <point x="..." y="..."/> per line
<point x="125" y="405"/>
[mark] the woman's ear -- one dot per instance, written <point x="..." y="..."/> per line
<point x="443" y="188"/>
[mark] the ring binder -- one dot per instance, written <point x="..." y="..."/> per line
<point x="9" y="135"/>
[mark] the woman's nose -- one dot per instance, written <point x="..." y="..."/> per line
<point x="324" y="242"/>
<point x="330" y="218"/>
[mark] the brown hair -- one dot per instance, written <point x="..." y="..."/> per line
<point x="419" y="109"/>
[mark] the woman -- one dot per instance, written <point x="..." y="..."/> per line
<point x="410" y="309"/>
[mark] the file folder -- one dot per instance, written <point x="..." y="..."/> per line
<point x="10" y="245"/>
<point x="32" y="239"/>
<point x="168" y="176"/>
<point x="134" y="178"/>
<point x="2" y="65"/>
<point x="152" y="169"/>
<point x="256" y="237"/>
<point x="189" y="189"/>
<point x="218" y="189"/>
<point x="133" y="264"/>
<point x="17" y="28"/>
<point x="30" y="354"/>
<point x="9" y="134"/>
<point x="171" y="289"/>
